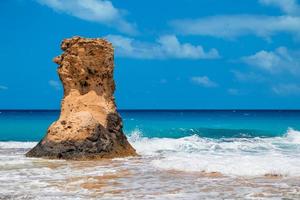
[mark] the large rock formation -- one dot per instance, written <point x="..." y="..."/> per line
<point x="89" y="126"/>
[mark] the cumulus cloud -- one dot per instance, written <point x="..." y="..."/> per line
<point x="287" y="6"/>
<point x="55" y="84"/>
<point x="2" y="87"/>
<point x="286" y="89"/>
<point x="204" y="81"/>
<point x="167" y="46"/>
<point x="232" y="26"/>
<point x="281" y="59"/>
<point x="100" y="11"/>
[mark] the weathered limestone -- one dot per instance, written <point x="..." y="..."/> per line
<point x="89" y="126"/>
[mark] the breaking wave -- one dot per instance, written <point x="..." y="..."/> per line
<point x="229" y="156"/>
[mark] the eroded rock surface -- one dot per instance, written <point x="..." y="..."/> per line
<point x="89" y="126"/>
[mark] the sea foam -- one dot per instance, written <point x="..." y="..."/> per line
<point x="17" y="145"/>
<point x="230" y="156"/>
<point x="151" y="176"/>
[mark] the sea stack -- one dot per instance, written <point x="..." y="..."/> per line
<point x="89" y="126"/>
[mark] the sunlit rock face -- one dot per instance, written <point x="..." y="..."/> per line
<point x="89" y="127"/>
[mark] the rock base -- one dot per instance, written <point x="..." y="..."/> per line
<point x="92" y="141"/>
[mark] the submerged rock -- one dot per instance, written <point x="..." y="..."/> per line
<point x="89" y="127"/>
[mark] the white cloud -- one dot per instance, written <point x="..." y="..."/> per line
<point x="263" y="59"/>
<point x="287" y="6"/>
<point x="100" y="11"/>
<point x="281" y="59"/>
<point x="286" y="89"/>
<point x="247" y="76"/>
<point x="232" y="26"/>
<point x="55" y="84"/>
<point x="204" y="81"/>
<point x="2" y="87"/>
<point x="167" y="46"/>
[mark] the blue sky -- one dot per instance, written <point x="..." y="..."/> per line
<point x="188" y="54"/>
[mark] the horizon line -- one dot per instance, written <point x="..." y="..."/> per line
<point x="171" y="109"/>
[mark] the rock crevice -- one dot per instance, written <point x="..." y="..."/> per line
<point x="89" y="126"/>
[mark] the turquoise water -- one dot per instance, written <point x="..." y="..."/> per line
<point x="32" y="125"/>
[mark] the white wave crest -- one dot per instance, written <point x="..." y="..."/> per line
<point x="293" y="136"/>
<point x="236" y="156"/>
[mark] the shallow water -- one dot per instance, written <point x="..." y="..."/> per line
<point x="237" y="157"/>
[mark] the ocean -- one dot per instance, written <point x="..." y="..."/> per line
<point x="183" y="154"/>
